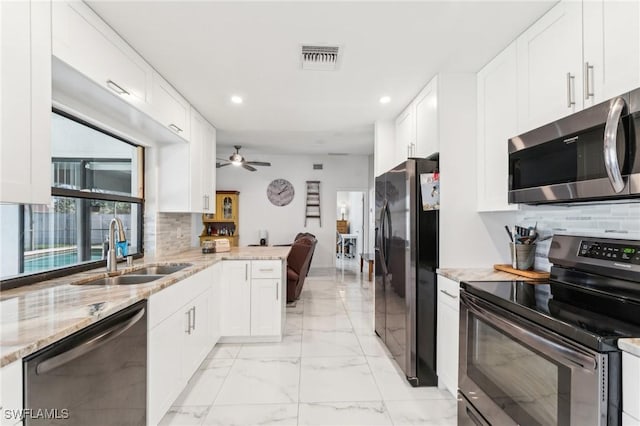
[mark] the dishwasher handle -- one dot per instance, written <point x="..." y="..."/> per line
<point x="92" y="343"/>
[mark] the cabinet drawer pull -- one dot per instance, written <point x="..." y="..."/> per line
<point x="445" y="292"/>
<point x="266" y="270"/>
<point x="175" y="128"/>
<point x="117" y="88"/>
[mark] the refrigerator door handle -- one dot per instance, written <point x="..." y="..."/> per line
<point x="381" y="239"/>
<point x="387" y="256"/>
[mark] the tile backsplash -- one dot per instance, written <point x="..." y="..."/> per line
<point x="172" y="233"/>
<point x="594" y="220"/>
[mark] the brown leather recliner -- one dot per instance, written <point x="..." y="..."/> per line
<point x="298" y="263"/>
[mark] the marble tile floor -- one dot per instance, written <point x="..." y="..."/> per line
<point x="330" y="369"/>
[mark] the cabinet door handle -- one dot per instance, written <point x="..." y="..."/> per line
<point x="570" y="98"/>
<point x="117" y="88"/>
<point x="445" y="292"/>
<point x="188" y="313"/>
<point x="193" y="318"/>
<point x="408" y="150"/>
<point x="175" y="128"/>
<point x="246" y="272"/>
<point x="588" y="81"/>
<point x="277" y="291"/>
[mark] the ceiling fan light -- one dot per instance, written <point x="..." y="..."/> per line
<point x="236" y="163"/>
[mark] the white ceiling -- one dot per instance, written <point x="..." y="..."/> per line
<point x="211" y="50"/>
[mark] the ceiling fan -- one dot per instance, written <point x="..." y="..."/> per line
<point x="238" y="160"/>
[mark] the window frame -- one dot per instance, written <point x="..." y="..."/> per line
<point x="22" y="280"/>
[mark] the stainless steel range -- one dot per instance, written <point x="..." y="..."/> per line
<point x="546" y="353"/>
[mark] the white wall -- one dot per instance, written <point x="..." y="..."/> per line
<point x="283" y="223"/>
<point x="468" y="239"/>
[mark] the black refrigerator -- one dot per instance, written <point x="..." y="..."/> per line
<point x="406" y="251"/>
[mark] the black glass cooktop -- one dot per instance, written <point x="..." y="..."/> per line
<point x="589" y="316"/>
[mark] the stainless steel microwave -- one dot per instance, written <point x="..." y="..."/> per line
<point x="591" y="155"/>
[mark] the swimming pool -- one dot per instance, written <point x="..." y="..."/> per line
<point x="51" y="260"/>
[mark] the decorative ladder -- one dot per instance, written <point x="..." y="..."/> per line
<point x="312" y="209"/>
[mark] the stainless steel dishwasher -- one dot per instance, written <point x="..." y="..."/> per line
<point x="97" y="376"/>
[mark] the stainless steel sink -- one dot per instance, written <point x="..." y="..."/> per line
<point x="124" y="280"/>
<point x="160" y="269"/>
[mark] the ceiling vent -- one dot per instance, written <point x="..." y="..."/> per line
<point x="317" y="167"/>
<point x="320" y="58"/>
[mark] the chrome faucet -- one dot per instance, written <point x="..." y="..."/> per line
<point x="120" y="237"/>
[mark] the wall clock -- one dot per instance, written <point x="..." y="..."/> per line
<point x="280" y="192"/>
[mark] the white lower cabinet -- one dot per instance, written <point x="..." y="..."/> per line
<point x="253" y="302"/>
<point x="11" y="393"/>
<point x="179" y="339"/>
<point x="197" y="342"/>
<point x="164" y="381"/>
<point x="447" y="334"/>
<point x="265" y="307"/>
<point x="630" y="389"/>
<point x="214" y="302"/>
<point x="236" y="297"/>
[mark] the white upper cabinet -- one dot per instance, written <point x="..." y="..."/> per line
<point x="426" y="118"/>
<point x="170" y="108"/>
<point x="208" y="176"/>
<point x="383" y="146"/>
<point x="611" y="34"/>
<point x="187" y="179"/>
<point x="405" y="134"/>
<point x="416" y="128"/>
<point x="197" y="201"/>
<point x="25" y="95"/>
<point x="84" y="41"/>
<point x="497" y="122"/>
<point x="550" y="66"/>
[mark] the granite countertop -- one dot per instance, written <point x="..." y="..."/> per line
<point x="478" y="274"/>
<point x="630" y="345"/>
<point x="34" y="316"/>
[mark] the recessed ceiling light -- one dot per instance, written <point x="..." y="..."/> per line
<point x="385" y="100"/>
<point x="236" y="99"/>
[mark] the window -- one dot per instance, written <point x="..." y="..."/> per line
<point x="95" y="177"/>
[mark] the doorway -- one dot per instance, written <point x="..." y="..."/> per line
<point x="351" y="222"/>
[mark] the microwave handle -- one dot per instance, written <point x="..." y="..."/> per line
<point x="583" y="360"/>
<point x="611" y="145"/>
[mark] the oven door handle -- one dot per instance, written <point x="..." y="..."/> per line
<point x="565" y="351"/>
<point x="611" y="145"/>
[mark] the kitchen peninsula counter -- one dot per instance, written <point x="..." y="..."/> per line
<point x="34" y="316"/>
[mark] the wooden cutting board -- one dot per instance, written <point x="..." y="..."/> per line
<point x="534" y="275"/>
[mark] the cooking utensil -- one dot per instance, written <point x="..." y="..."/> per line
<point x="506" y="227"/>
